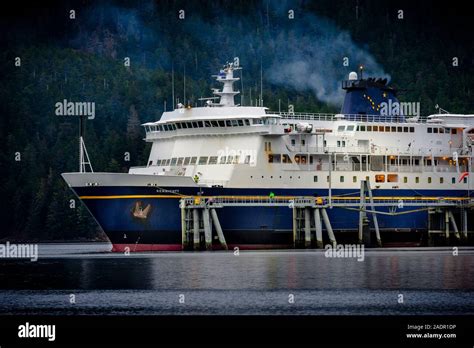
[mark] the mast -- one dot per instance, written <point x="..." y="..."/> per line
<point x="226" y="76"/>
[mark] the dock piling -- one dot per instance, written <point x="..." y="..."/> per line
<point x="319" y="229"/>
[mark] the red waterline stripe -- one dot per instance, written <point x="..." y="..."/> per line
<point x="177" y="247"/>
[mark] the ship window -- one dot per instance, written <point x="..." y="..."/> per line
<point x="405" y="129"/>
<point x="270" y="158"/>
<point x="241" y="122"/>
<point x="150" y="163"/>
<point x="168" y="162"/>
<point x="429" y="180"/>
<point x="405" y="180"/>
<point x="375" y="128"/>
<point x="350" y="128"/>
<point x="247" y="122"/>
<point x="387" y="128"/>
<point x="293" y="142"/>
<point x="158" y="162"/>
<point x="369" y="128"/>
<point x="394" y="129"/>
<point x="354" y="178"/>
<point x="173" y="161"/>
<point x="228" y="123"/>
<point x="186" y="160"/>
<point x="453" y="180"/>
<point x="247" y="159"/>
<point x="380" y="178"/>
<point x="213" y="160"/>
<point x="189" y="124"/>
<point x="201" y="124"/>
<point x="257" y="121"/>
<point x="303" y="142"/>
<point x="222" y="159"/>
<point x="416" y="162"/>
<point x="435" y="130"/>
<point x="417" y="180"/>
<point x="193" y="160"/>
<point x="195" y="125"/>
<point x="392" y="178"/>
<point x="341" y="178"/>
<point x="464" y="180"/>
<point x="381" y="129"/>
<point x="221" y="123"/>
<point x="338" y="143"/>
<point x="441" y="131"/>
<point x="430" y="130"/>
<point x="180" y="161"/>
<point x="237" y="159"/>
<point x="183" y="125"/>
<point x="202" y="160"/>
<point x="234" y="123"/>
<point x="315" y="178"/>
<point x="229" y="159"/>
<point x="341" y="128"/>
<point x="441" y="180"/>
<point x="454" y="131"/>
<point x="207" y="124"/>
<point x="362" y="128"/>
<point x="399" y="129"/>
<point x="214" y="124"/>
<point x="286" y="159"/>
<point x="327" y="178"/>
<point x="412" y="129"/>
<point x="367" y="179"/>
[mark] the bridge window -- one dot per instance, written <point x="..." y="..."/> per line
<point x="180" y="161"/>
<point x="387" y="128"/>
<point x="247" y="122"/>
<point x="230" y="159"/>
<point x="186" y="160"/>
<point x="213" y="160"/>
<point x="430" y="130"/>
<point x="240" y="122"/>
<point x="435" y="130"/>
<point x="193" y="160"/>
<point x="369" y="128"/>
<point x="173" y="161"/>
<point x="150" y="163"/>
<point x="412" y="129"/>
<point x="202" y="160"/>
<point x="350" y="128"/>
<point x="341" y="128"/>
<point x="362" y="128"/>
<point x="400" y="129"/>
<point x="247" y="159"/>
<point x="405" y="129"/>
<point x="168" y="162"/>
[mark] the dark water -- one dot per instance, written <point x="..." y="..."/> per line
<point x="432" y="281"/>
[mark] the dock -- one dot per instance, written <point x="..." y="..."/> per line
<point x="447" y="216"/>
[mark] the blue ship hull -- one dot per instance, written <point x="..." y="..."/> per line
<point x="244" y="227"/>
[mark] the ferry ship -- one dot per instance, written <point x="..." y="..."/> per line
<point x="225" y="149"/>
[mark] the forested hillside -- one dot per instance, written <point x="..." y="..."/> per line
<point x="298" y="46"/>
